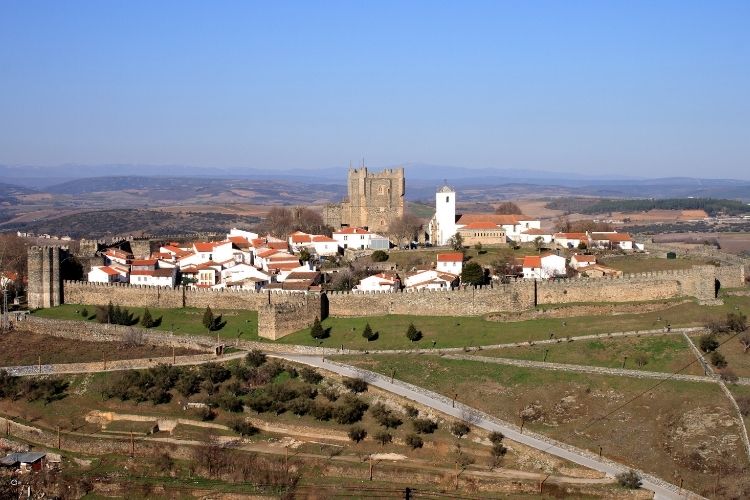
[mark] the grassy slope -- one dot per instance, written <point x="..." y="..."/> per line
<point x="638" y="434"/>
<point x="181" y="321"/>
<point x="468" y="331"/>
<point x="639" y="264"/>
<point x="664" y="353"/>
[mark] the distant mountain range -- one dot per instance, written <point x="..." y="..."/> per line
<point x="422" y="179"/>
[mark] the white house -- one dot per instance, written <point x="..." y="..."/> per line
<point x="571" y="240"/>
<point x="452" y="262"/>
<point x="578" y="261"/>
<point x="431" y="280"/>
<point x="104" y="274"/>
<point x="543" y="266"/>
<point x="612" y="240"/>
<point x="248" y="235"/>
<point x="360" y="239"/>
<point x="531" y="235"/>
<point x="318" y="244"/>
<point x="118" y="256"/>
<point x="154" y="277"/>
<point x="382" y="282"/>
<point x="243" y="271"/>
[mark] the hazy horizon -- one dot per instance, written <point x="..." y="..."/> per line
<point x="630" y="89"/>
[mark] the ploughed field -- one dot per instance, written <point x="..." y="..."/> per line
<point x="18" y="348"/>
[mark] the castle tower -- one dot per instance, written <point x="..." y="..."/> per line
<point x="445" y="215"/>
<point x="45" y="285"/>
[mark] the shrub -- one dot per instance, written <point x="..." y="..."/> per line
<point x="355" y="385"/>
<point x="330" y="393"/>
<point x="47" y="389"/>
<point x="411" y="411"/>
<point x="412" y="333"/>
<point x="317" y="330"/>
<point x="357" y="433"/>
<point x="496" y="437"/>
<point x="322" y="411"/>
<point x="349" y="410"/>
<point x="459" y="429"/>
<point x="384" y="416"/>
<point x="85" y="312"/>
<point x="299" y="406"/>
<point x="310" y="376"/>
<point x="243" y="427"/>
<point x="228" y="402"/>
<point x="205" y="413"/>
<point x="737" y="322"/>
<point x="413" y="441"/>
<point x="260" y="402"/>
<point x="383" y="437"/>
<point x="215" y="372"/>
<point x="369" y="334"/>
<point x="630" y="480"/>
<point x="718" y="360"/>
<point x="255" y="358"/>
<point x="498" y="450"/>
<point x="728" y="375"/>
<point x="708" y="343"/>
<point x="744" y="403"/>
<point x="424" y="425"/>
<point x="188" y="383"/>
<point x="379" y="256"/>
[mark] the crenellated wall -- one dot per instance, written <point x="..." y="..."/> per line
<point x="278" y="320"/>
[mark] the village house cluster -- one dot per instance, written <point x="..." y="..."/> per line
<point x="244" y="260"/>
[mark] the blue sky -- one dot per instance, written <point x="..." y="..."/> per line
<point x="637" y="88"/>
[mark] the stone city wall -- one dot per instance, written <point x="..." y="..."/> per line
<point x="278" y="320"/>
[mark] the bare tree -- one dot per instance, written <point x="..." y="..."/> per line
<point x="745" y="342"/>
<point x="405" y="228"/>
<point x="508" y="207"/>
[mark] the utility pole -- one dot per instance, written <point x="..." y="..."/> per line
<point x="58" y="438"/>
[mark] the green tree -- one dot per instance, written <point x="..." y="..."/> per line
<point x="718" y="360"/>
<point x="708" y="343"/>
<point x="379" y="256"/>
<point x="369" y="334"/>
<point x="457" y="242"/>
<point x="208" y="318"/>
<point x="317" y="330"/>
<point x="737" y="322"/>
<point x="383" y="437"/>
<point x="304" y="255"/>
<point x="472" y="274"/>
<point x="146" y="320"/>
<point x="412" y="333"/>
<point x="630" y="480"/>
<point x="413" y="441"/>
<point x="459" y="429"/>
<point x="357" y="433"/>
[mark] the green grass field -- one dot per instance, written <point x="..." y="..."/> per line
<point x="738" y="361"/>
<point x="662" y="353"/>
<point x="239" y="324"/>
<point x="475" y="331"/>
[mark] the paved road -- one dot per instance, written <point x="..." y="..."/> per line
<point x="661" y="489"/>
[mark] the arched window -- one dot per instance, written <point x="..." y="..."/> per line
<point x="381" y="189"/>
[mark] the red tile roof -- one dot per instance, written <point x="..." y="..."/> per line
<point x="450" y="257"/>
<point x="571" y="236"/>
<point x="538" y="232"/>
<point x="480" y="225"/>
<point x="494" y="218"/>
<point x="352" y="230"/>
<point x="239" y="241"/>
<point x="323" y="239"/>
<point x="156" y="273"/>
<point x="108" y="270"/>
<point x="201" y="246"/>
<point x="532" y="261"/>
<point x="584" y="258"/>
<point x="143" y="262"/>
<point x="278" y="245"/>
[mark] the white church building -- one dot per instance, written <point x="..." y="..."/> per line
<point x="474" y="227"/>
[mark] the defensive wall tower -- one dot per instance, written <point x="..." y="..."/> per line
<point x="45" y="286"/>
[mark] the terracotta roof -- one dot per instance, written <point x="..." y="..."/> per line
<point x="283" y="256"/>
<point x="143" y="262"/>
<point x="284" y="266"/>
<point x="584" y="258"/>
<point x="120" y="254"/>
<point x="208" y="265"/>
<point x="450" y="257"/>
<point x="278" y="245"/>
<point x="571" y="236"/>
<point x="352" y="230"/>
<point x="539" y="232"/>
<point x="203" y="246"/>
<point x="532" y="261"/>
<point x="323" y="239"/>
<point x="267" y="253"/>
<point x="302" y="275"/>
<point x="300" y="237"/>
<point x="161" y="255"/>
<point x="240" y="241"/>
<point x="156" y="273"/>
<point x="480" y="225"/>
<point x="612" y="236"/>
<point x="108" y="270"/>
<point x="500" y="219"/>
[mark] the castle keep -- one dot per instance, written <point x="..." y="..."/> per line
<point x="374" y="200"/>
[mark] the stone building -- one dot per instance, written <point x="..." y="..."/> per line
<point x="374" y="200"/>
<point x="45" y="284"/>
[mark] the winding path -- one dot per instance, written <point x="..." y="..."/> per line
<point x="661" y="489"/>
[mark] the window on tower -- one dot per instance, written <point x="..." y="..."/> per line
<point x="447" y="199"/>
